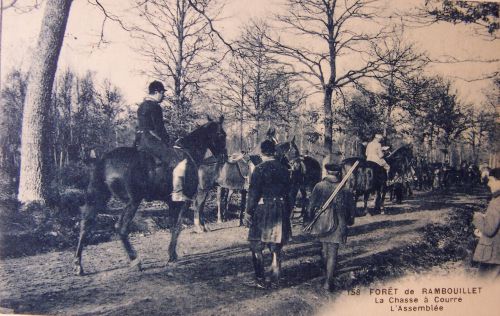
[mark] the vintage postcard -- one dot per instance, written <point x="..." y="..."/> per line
<point x="265" y="157"/>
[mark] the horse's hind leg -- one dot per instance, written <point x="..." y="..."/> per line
<point x="243" y="205"/>
<point x="123" y="226"/>
<point x="88" y="218"/>
<point x="176" y="230"/>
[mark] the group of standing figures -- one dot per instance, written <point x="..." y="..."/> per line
<point x="154" y="170"/>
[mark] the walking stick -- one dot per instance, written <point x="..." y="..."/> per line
<point x="332" y="196"/>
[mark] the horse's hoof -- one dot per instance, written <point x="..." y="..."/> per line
<point x="173" y="258"/>
<point x="219" y="221"/>
<point x="199" y="230"/>
<point x="136" y="264"/>
<point x="79" y="270"/>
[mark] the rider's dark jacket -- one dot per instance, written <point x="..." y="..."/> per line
<point x="152" y="136"/>
<point x="268" y="203"/>
<point x="150" y="118"/>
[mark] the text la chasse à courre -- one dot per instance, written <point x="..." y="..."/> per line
<point x="422" y="299"/>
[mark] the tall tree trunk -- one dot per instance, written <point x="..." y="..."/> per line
<point x="327" y="109"/>
<point x="34" y="155"/>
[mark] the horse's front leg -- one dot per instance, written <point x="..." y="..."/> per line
<point x="221" y="203"/>
<point x="199" y="216"/>
<point x="292" y="196"/>
<point x="243" y="204"/>
<point x="123" y="230"/>
<point x="303" y="201"/>
<point x="176" y="229"/>
<point x="366" y="196"/>
<point x="226" y="205"/>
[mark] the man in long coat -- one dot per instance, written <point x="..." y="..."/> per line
<point x="267" y="213"/>
<point x="487" y="251"/>
<point x="331" y="225"/>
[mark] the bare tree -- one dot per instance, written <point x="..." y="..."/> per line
<point x="325" y="29"/>
<point x="177" y="39"/>
<point x="34" y="158"/>
<point x="400" y="61"/>
<point x="232" y="93"/>
<point x="481" y="14"/>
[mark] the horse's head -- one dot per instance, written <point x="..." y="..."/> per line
<point x="216" y="137"/>
<point x="211" y="136"/>
<point x="288" y="150"/>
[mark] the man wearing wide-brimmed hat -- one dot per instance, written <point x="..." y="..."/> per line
<point x="331" y="226"/>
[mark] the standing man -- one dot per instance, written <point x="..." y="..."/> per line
<point x="331" y="225"/>
<point x="374" y="152"/>
<point x="152" y="137"/>
<point x="487" y="251"/>
<point x="267" y="213"/>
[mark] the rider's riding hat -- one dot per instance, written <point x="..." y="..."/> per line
<point x="156" y="86"/>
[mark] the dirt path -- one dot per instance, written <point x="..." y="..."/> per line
<point x="213" y="274"/>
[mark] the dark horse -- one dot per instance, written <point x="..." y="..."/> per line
<point x="131" y="176"/>
<point x="305" y="172"/>
<point x="370" y="178"/>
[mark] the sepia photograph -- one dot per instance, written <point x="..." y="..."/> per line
<point x="249" y="157"/>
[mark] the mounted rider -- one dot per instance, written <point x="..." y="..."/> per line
<point x="375" y="152"/>
<point x="152" y="137"/>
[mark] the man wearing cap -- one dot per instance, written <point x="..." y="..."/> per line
<point x="331" y="225"/>
<point x="152" y="137"/>
<point x="374" y="152"/>
<point x="267" y="212"/>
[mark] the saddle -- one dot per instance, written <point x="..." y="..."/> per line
<point x="235" y="173"/>
<point x="159" y="172"/>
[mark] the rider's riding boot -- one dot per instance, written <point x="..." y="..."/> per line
<point x="178" y="183"/>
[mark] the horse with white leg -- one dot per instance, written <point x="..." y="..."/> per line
<point x="131" y="176"/>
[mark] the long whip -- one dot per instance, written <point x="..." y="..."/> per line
<point x="332" y="196"/>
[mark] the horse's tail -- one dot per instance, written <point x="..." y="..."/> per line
<point x="97" y="192"/>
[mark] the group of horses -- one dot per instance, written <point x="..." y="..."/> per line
<point x="132" y="176"/>
<point x="431" y="176"/>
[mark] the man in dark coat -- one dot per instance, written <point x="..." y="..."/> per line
<point x="487" y="251"/>
<point x="267" y="212"/>
<point x="331" y="225"/>
<point x="152" y="137"/>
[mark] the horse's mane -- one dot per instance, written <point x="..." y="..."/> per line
<point x="195" y="136"/>
<point x="404" y="150"/>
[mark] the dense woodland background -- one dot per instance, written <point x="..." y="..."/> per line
<point x="265" y="78"/>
